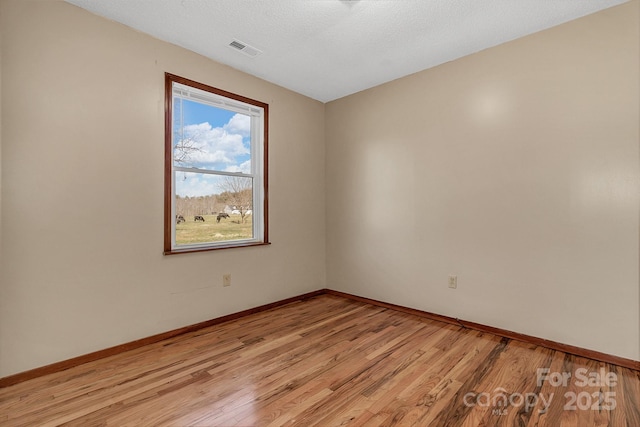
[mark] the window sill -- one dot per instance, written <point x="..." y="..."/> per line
<point x="215" y="248"/>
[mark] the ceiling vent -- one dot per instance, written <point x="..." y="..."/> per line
<point x="245" y="48"/>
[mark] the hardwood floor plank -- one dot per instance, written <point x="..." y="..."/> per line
<point x="329" y="361"/>
<point x="509" y="386"/>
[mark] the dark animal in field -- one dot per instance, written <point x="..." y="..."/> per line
<point x="198" y="218"/>
<point x="179" y="219"/>
<point x="221" y="215"/>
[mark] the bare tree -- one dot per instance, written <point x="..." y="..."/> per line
<point x="198" y="205"/>
<point x="184" y="149"/>
<point x="237" y="193"/>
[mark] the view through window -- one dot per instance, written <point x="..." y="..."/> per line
<point x="215" y="180"/>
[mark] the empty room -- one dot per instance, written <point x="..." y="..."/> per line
<point x="320" y="213"/>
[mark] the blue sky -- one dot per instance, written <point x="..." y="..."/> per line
<point x="195" y="113"/>
<point x="223" y="140"/>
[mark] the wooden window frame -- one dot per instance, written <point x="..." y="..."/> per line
<point x="169" y="216"/>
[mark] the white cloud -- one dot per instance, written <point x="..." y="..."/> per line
<point x="194" y="184"/>
<point x="244" y="167"/>
<point x="219" y="147"/>
<point x="222" y="148"/>
<point x="239" y="124"/>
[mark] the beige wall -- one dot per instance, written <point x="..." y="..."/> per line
<point x="82" y="191"/>
<point x="515" y="169"/>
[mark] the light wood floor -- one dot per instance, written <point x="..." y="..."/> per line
<point x="329" y="361"/>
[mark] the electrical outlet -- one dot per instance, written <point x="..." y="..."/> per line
<point x="226" y="280"/>
<point x="453" y="282"/>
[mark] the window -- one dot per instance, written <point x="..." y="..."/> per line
<point x="215" y="168"/>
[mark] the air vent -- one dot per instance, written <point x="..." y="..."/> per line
<point x="245" y="48"/>
<point x="237" y="45"/>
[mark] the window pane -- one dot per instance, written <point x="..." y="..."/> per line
<point x="215" y="168"/>
<point x="212" y="208"/>
<point x="208" y="137"/>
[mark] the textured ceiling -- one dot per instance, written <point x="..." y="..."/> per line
<point x="327" y="49"/>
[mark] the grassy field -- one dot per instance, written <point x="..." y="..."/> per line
<point x="209" y="231"/>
